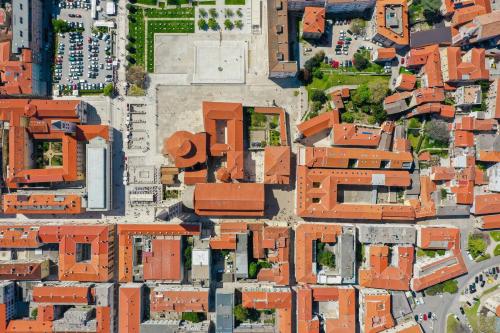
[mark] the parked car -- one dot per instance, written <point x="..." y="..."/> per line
<point x="462" y="311"/>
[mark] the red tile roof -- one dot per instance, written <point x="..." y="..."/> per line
<point x="486" y="204"/>
<point x="277" y="165"/>
<point x="318" y="124"/>
<point x="279" y="299"/>
<point x="471" y="67"/>
<point x="313" y="20"/>
<point x="377" y="312"/>
<point x="381" y="274"/>
<point x="382" y="26"/>
<point x="229" y="199"/>
<point x="179" y="299"/>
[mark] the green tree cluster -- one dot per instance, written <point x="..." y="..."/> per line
<point x="476" y="245"/>
<point x="242" y="314"/>
<point x="194" y="317"/>
<point x="109" y="89"/>
<point x="450" y="286"/>
<point x="438" y="131"/>
<point x="255" y="266"/>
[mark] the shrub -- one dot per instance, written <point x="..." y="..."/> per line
<point x="108" y="89"/>
<point x="194" y="317"/>
<point x="228" y="24"/>
<point x="136" y="75"/>
<point x="327" y="259"/>
<point x="360" y="62"/>
<point x="202" y="24"/>
<point x="347" y="117"/>
<point x="212" y="24"/>
<point x="238" y="24"/>
<point x="318" y="96"/>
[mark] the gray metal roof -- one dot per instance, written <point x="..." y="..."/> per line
<point x="96" y="177"/>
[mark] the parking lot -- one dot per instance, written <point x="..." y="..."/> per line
<point x="84" y="60"/>
<point x="338" y="43"/>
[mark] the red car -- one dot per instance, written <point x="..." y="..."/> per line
<point x="402" y="61"/>
<point x="340" y="42"/>
<point x="425" y="316"/>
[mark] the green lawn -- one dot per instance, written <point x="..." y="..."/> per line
<point x="496" y="251"/>
<point x="452" y="324"/>
<point x="336" y="78"/>
<point x="495" y="235"/>
<point x="413" y="138"/>
<point x="471" y="314"/>
<point x="136" y="31"/>
<point x="155" y="27"/>
<point x="169" y="13"/>
<point x="234" y="2"/>
<point x="429" y="143"/>
<point x="177" y="2"/>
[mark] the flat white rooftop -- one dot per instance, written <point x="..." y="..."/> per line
<point x="219" y="61"/>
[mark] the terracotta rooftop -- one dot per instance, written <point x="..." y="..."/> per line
<point x="446" y="267"/>
<point x="126" y="233"/>
<point x="186" y="149"/>
<point x="469" y="67"/>
<point x="336" y="157"/>
<point x="277" y="165"/>
<point x="406" y="82"/>
<point x="318" y="124"/>
<point x="130" y="308"/>
<point x="355" y="135"/>
<point x="228" y="142"/>
<point x="344" y="322"/>
<point x="15" y="74"/>
<point x="305" y="235"/>
<point x="179" y="299"/>
<point x="384" y="54"/>
<point x="317" y="194"/>
<point x="381" y="274"/>
<point x="486" y="204"/>
<point x="385" y="27"/>
<point x="42" y="204"/>
<point x="314" y="20"/>
<point x="231" y="199"/>
<point x="377" y="311"/>
<point x="279" y="299"/>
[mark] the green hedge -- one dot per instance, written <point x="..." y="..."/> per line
<point x="169" y="13"/>
<point x="148" y="2"/>
<point x="155" y="27"/>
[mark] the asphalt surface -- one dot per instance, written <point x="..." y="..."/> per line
<point x="445" y="304"/>
<point x="87" y="21"/>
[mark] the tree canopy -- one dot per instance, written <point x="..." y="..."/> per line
<point x="438" y="131"/>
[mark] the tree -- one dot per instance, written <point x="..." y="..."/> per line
<point x="378" y="92"/>
<point x="476" y="245"/>
<point x="131" y="8"/>
<point x="130" y="59"/>
<point x="229" y="12"/>
<point x="60" y="26"/>
<point x="203" y="12"/>
<point x="34" y="313"/>
<point x="360" y="62"/>
<point x="318" y="96"/>
<point x="212" y="24"/>
<point x="188" y="251"/>
<point x="202" y="24"/>
<point x="438" y="131"/>
<point x="136" y="75"/>
<point x="347" y="117"/>
<point x="240" y="313"/>
<point x="130" y="48"/>
<point x="361" y="96"/>
<point x="239" y="12"/>
<point x="326" y="259"/>
<point x="252" y="270"/>
<point x="317" y="73"/>
<point x="358" y="26"/>
<point x="432" y="12"/>
<point x="108" y="90"/>
<point x="130" y="39"/>
<point x="228" y="24"/>
<point x="238" y="24"/>
<point x="213" y="12"/>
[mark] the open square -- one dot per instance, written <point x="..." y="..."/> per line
<point x="219" y="62"/>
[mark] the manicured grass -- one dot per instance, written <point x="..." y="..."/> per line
<point x="452" y="324"/>
<point x="177" y="2"/>
<point x="495" y="235"/>
<point x="413" y="140"/>
<point x="496" y="251"/>
<point x="155" y="27"/>
<point x="336" y="78"/>
<point x="471" y="314"/>
<point x="429" y="143"/>
<point x="206" y="3"/>
<point x="169" y="13"/>
<point x="148" y="2"/>
<point x="136" y="30"/>
<point x="234" y="2"/>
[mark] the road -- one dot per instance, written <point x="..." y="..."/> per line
<point x="449" y="303"/>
